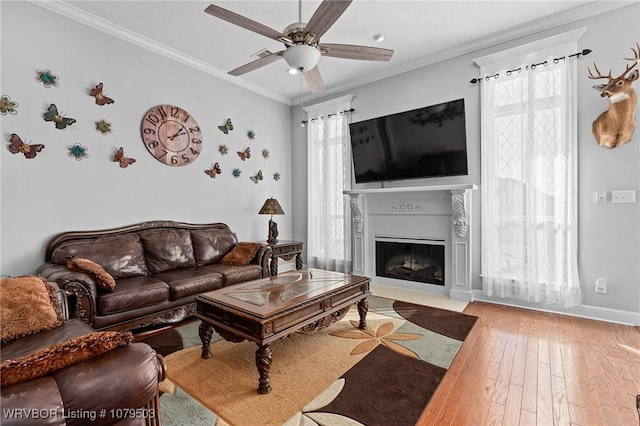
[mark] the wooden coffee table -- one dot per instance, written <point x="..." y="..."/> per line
<point x="268" y="309"/>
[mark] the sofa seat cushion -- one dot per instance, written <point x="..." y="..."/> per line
<point x="210" y="245"/>
<point x="133" y="293"/>
<point x="236" y="274"/>
<point x="121" y="256"/>
<point x="29" y="344"/>
<point x="185" y="282"/>
<point x="167" y="249"/>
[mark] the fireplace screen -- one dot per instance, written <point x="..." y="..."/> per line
<point x="422" y="262"/>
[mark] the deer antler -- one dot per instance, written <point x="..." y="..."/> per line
<point x="635" y="59"/>
<point x="594" y="77"/>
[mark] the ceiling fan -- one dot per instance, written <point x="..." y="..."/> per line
<point x="302" y="42"/>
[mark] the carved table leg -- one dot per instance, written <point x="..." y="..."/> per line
<point x="205" y="331"/>
<point x="263" y="362"/>
<point x="274" y="266"/>
<point x="363" y="308"/>
<point x="298" y="261"/>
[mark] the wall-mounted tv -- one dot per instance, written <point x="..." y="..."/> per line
<point x="421" y="143"/>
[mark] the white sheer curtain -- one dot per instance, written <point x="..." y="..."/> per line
<point x="328" y="175"/>
<point x="529" y="183"/>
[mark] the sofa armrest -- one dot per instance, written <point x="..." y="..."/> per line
<point x="104" y="384"/>
<point x="77" y="284"/>
<point x="262" y="258"/>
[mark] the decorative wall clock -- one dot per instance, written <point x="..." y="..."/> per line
<point x="171" y="135"/>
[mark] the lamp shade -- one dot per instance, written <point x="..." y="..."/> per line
<point x="301" y="57"/>
<point x="271" y="206"/>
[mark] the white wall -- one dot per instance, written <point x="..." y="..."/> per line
<point x="609" y="234"/>
<point x="54" y="193"/>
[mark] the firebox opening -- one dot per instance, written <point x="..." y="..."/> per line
<point x="411" y="261"/>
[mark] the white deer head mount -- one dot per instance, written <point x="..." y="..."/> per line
<point x="615" y="126"/>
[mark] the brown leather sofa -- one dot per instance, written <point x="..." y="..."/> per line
<point x="159" y="268"/>
<point x="119" y="387"/>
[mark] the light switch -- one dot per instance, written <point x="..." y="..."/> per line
<point x="601" y="197"/>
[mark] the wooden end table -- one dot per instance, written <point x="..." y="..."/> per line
<point x="286" y="250"/>
<point x="268" y="309"/>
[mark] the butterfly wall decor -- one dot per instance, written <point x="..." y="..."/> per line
<point x="257" y="178"/>
<point x="101" y="99"/>
<point x="60" y="122"/>
<point x="7" y="105"/>
<point x="213" y="171"/>
<point x="47" y="78"/>
<point x="227" y="127"/>
<point x="245" y="154"/>
<point x="123" y="159"/>
<point x="17" y="146"/>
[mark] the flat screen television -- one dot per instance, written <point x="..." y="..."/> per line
<point x="421" y="143"/>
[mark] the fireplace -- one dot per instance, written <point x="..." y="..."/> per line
<point x="419" y="260"/>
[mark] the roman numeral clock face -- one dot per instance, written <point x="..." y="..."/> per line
<point x="171" y="135"/>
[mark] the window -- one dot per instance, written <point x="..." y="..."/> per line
<point x="529" y="179"/>
<point x="328" y="175"/>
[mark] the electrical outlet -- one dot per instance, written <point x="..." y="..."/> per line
<point x="601" y="286"/>
<point x="601" y="197"/>
<point x="628" y="196"/>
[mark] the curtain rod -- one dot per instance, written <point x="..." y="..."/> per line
<point x="577" y="55"/>
<point x="303" y="123"/>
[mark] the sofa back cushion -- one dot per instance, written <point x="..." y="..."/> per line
<point x="121" y="255"/>
<point x="210" y="245"/>
<point x="167" y="249"/>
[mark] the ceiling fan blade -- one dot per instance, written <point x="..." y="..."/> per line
<point x="241" y="21"/>
<point x="325" y="16"/>
<point x="258" y="63"/>
<point x="314" y="80"/>
<point x="350" y="51"/>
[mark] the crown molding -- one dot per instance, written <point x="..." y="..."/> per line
<point x="78" y="15"/>
<point x="501" y="37"/>
<point x="586" y="11"/>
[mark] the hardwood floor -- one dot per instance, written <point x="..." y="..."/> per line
<point x="524" y="367"/>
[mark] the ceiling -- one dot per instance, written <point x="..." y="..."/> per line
<point x="420" y="32"/>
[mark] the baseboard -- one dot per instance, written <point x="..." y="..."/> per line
<point x="584" y="311"/>
<point x="465" y="296"/>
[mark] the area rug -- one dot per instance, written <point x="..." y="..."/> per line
<point x="340" y="375"/>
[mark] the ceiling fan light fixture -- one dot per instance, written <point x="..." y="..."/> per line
<point x="293" y="71"/>
<point x="301" y="57"/>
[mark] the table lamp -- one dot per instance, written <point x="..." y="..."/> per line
<point x="271" y="206"/>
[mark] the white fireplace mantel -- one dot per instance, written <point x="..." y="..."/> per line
<point x="416" y="207"/>
<point x="458" y="201"/>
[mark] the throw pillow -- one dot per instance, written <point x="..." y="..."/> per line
<point x="27" y="307"/>
<point x="95" y="271"/>
<point x="242" y="254"/>
<point x="61" y="355"/>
